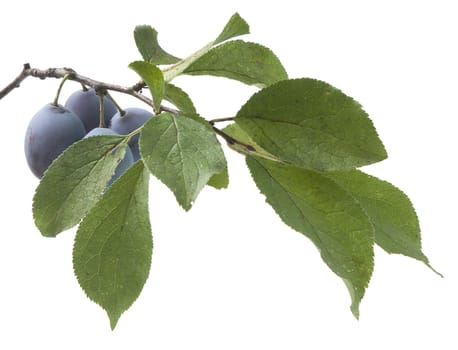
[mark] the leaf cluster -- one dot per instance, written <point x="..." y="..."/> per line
<point x="303" y="140"/>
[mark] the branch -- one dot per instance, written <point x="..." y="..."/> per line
<point x="60" y="73"/>
<point x="231" y="141"/>
<point x="219" y="120"/>
<point x="102" y="88"/>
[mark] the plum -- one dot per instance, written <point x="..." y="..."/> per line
<point x="51" y="130"/>
<point x="131" y="120"/>
<point x="86" y="105"/>
<point x="128" y="159"/>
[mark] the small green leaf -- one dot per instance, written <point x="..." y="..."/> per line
<point x="181" y="152"/>
<point x="154" y="78"/>
<point x="392" y="214"/>
<point x="74" y="182"/>
<point x="249" y="63"/>
<point x="220" y="181"/>
<point x="179" y="98"/>
<point x="311" y="124"/>
<point x="235" y="27"/>
<point x="317" y="207"/>
<point x="146" y="40"/>
<point x="113" y="245"/>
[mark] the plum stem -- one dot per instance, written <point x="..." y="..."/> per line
<point x="59" y="89"/>
<point x="102" y="111"/>
<point x="118" y="107"/>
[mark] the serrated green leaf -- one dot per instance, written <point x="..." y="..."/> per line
<point x="179" y="98"/>
<point x="317" y="207"/>
<point x="311" y="124"/>
<point x="147" y="43"/>
<point x="154" y="78"/>
<point x="181" y="152"/>
<point x="391" y="212"/>
<point x="235" y="27"/>
<point x="220" y="181"/>
<point x="113" y="245"/>
<point x="249" y="63"/>
<point x="74" y="182"/>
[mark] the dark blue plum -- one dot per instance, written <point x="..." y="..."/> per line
<point x="131" y="120"/>
<point x="128" y="159"/>
<point x="51" y="130"/>
<point x="86" y="106"/>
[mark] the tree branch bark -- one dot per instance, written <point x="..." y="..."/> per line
<point x="60" y="73"/>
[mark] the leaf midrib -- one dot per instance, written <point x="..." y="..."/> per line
<point x="342" y="142"/>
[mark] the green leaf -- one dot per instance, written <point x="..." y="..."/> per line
<point x="311" y="124"/>
<point x="181" y="152"/>
<point x="74" y="182"/>
<point x="154" y="78"/>
<point x="317" y="207"/>
<point x="147" y="43"/>
<point x="179" y="98"/>
<point x="113" y="245"/>
<point x="220" y="181"/>
<point x="249" y="63"/>
<point x="235" y="27"/>
<point x="391" y="212"/>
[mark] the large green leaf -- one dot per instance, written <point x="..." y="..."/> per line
<point x="391" y="212"/>
<point x="249" y="63"/>
<point x="311" y="124"/>
<point x="153" y="78"/>
<point x="181" y="152"/>
<point x="179" y="98"/>
<point x="146" y="40"/>
<point x="113" y="245"/>
<point x="317" y="207"/>
<point x="236" y="26"/>
<point x="75" y="181"/>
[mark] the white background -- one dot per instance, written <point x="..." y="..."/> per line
<point x="229" y="274"/>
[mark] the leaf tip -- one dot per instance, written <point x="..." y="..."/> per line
<point x="246" y="26"/>
<point x="114" y="318"/>
<point x="186" y="205"/>
<point x="356" y="295"/>
<point x="434" y="270"/>
<point x="355" y="310"/>
<point x="236" y="26"/>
